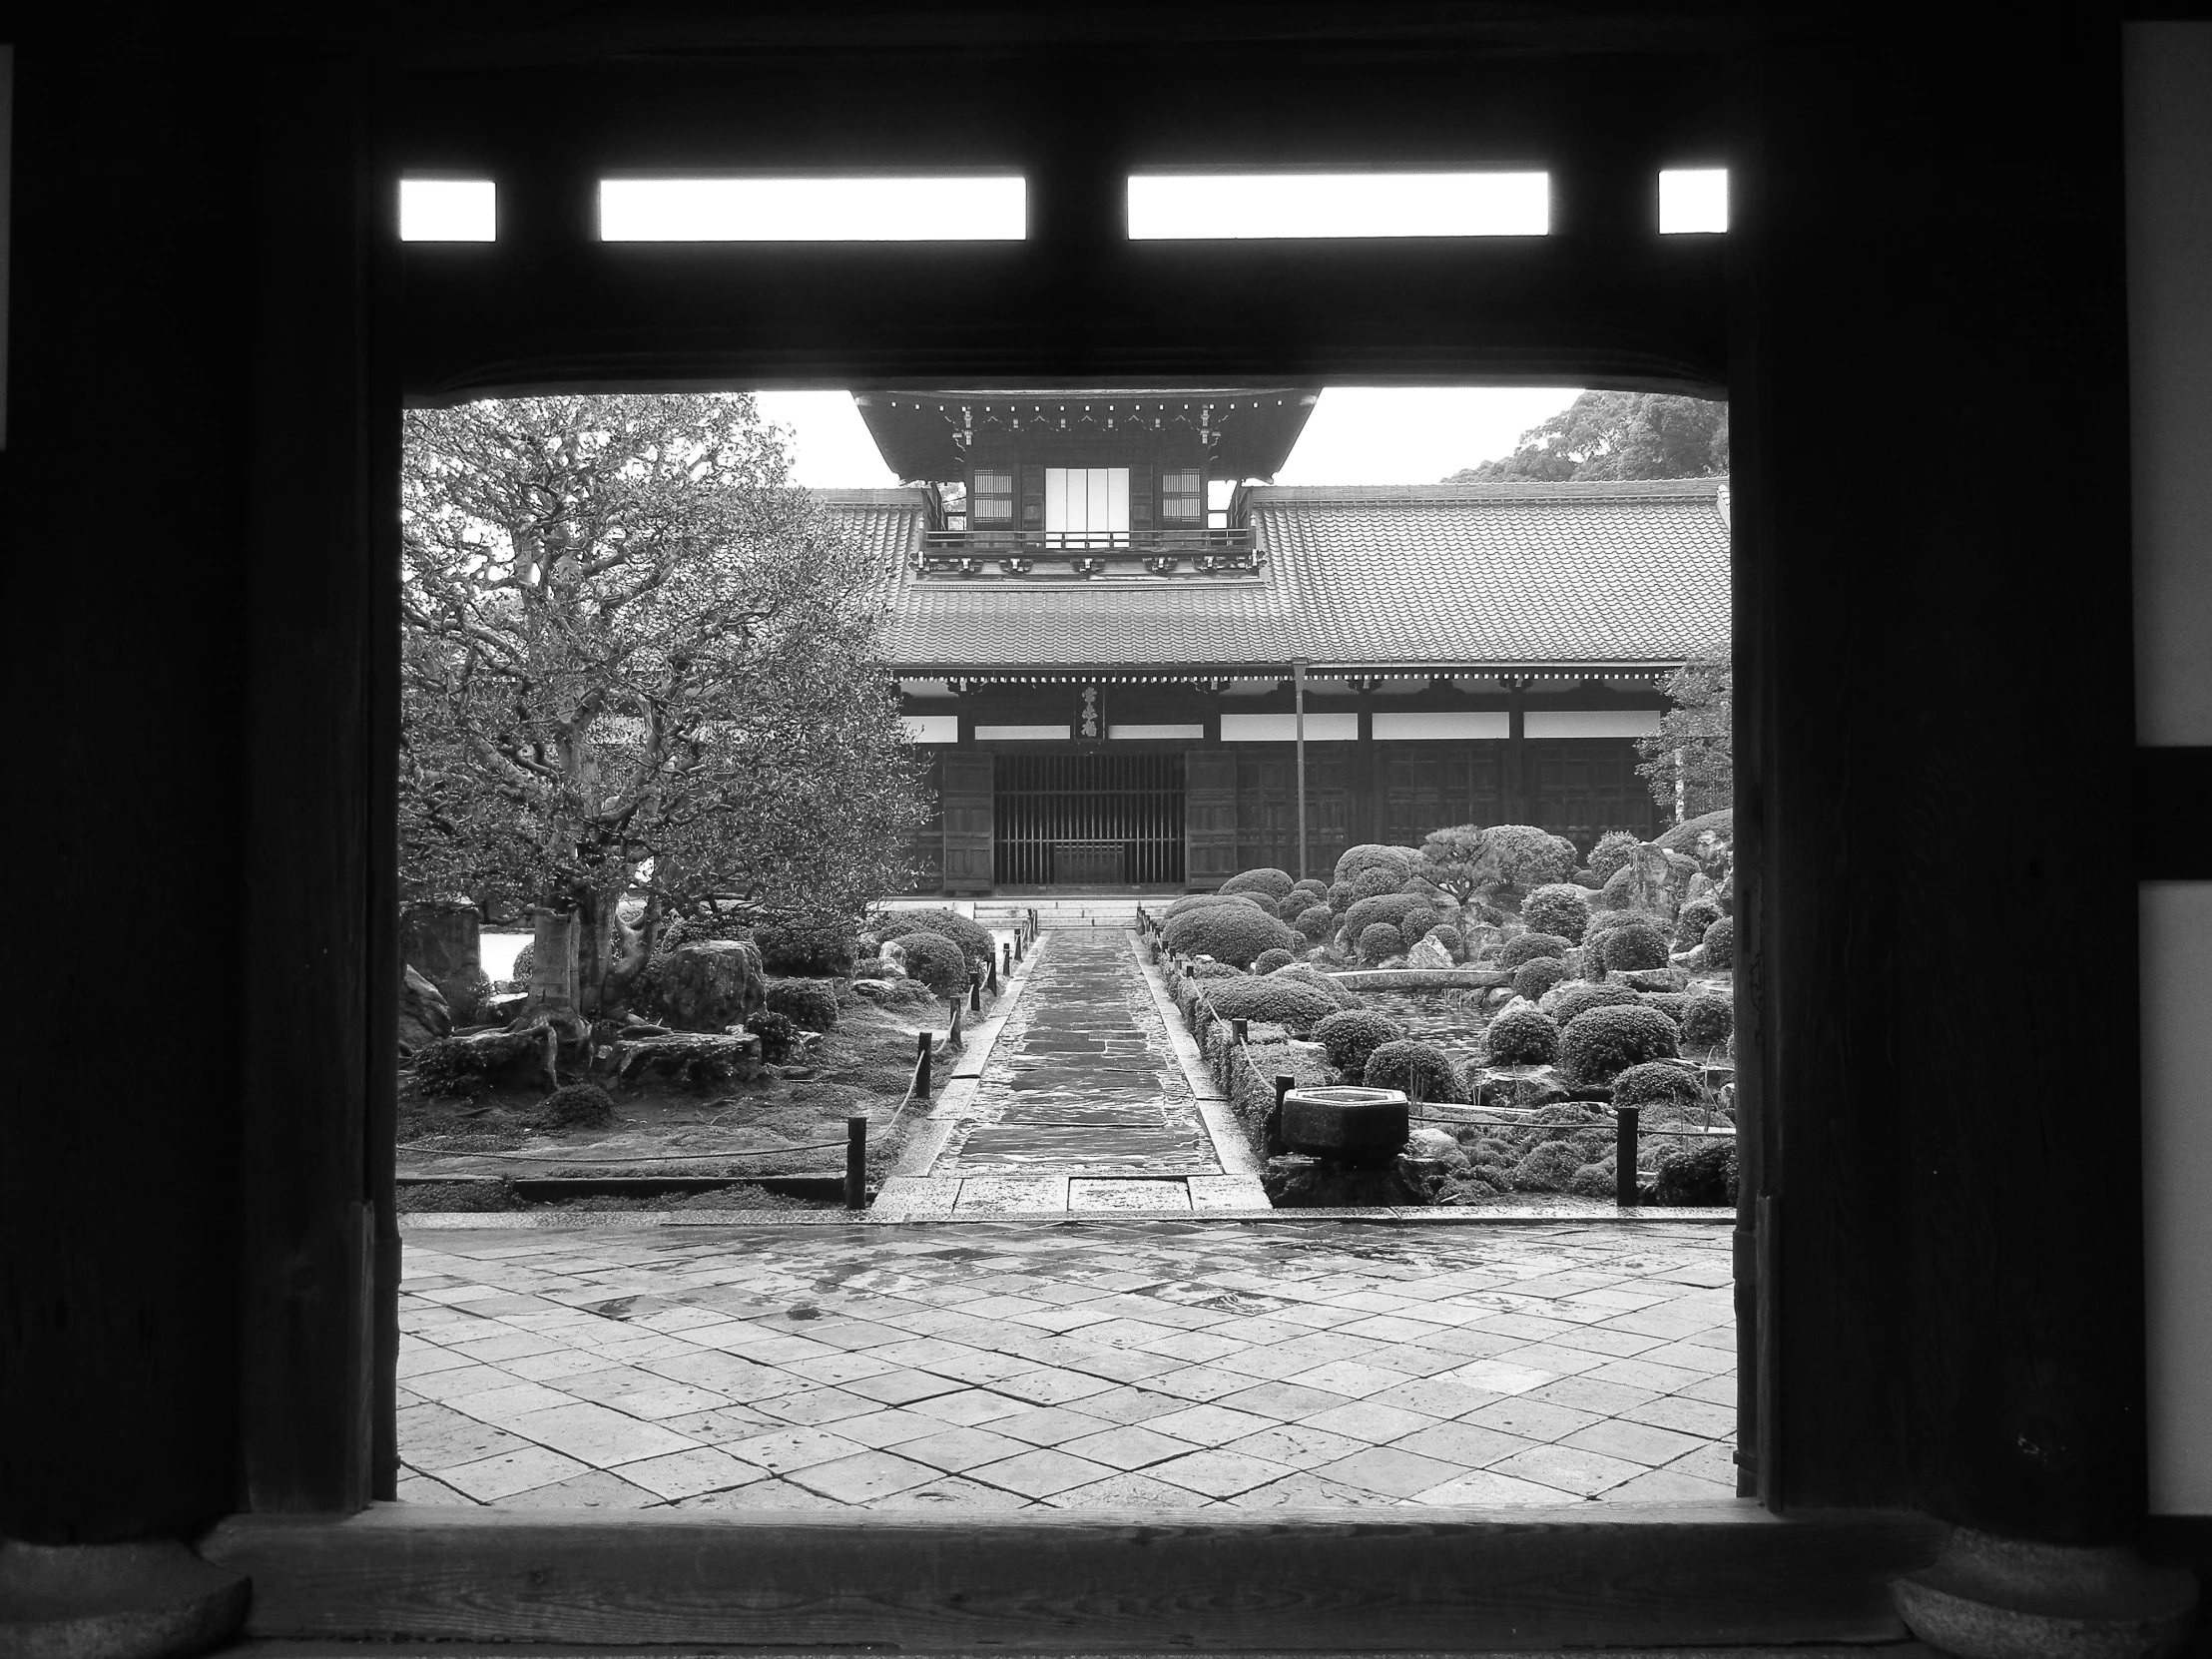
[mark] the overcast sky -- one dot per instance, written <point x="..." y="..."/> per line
<point x="1356" y="435"/>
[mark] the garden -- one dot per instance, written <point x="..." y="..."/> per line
<point x="1537" y="1009"/>
<point x="728" y="1081"/>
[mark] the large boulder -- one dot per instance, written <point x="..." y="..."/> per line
<point x="700" y="1059"/>
<point x="712" y="985"/>
<point x="1521" y="1087"/>
<point x="423" y="1015"/>
<point x="490" y="1059"/>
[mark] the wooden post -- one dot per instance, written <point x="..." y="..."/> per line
<point x="1624" y="1156"/>
<point x="1284" y="1084"/>
<point x="1297" y="692"/>
<point x="975" y="992"/>
<point x="953" y="1037"/>
<point x="1236" y="1030"/>
<point x="1006" y="959"/>
<point x="991" y="972"/>
<point x="921" y="1064"/>
<point x="855" y="1162"/>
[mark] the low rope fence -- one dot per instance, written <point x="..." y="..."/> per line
<point x="1202" y="1016"/>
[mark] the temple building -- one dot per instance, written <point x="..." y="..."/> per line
<point x="1120" y="653"/>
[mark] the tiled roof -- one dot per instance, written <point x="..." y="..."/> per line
<point x="1473" y="575"/>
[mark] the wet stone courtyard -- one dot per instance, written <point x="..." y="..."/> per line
<point x="1105" y="1365"/>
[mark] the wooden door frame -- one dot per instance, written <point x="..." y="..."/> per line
<point x="341" y="335"/>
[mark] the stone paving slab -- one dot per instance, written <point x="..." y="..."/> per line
<point x="1098" y="1364"/>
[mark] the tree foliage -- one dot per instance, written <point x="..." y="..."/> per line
<point x="636" y="658"/>
<point x="1616" y="434"/>
<point x="1693" y="746"/>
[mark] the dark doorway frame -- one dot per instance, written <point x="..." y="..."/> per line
<point x="1959" y="1326"/>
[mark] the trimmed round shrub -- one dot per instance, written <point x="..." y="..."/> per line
<point x="578" y="1106"/>
<point x="1272" y="885"/>
<point x="1604" y="921"/>
<point x="1357" y="860"/>
<point x="1592" y="1181"/>
<point x="812" y="1003"/>
<point x="1204" y="900"/>
<point x="1416" y="923"/>
<point x="1521" y="1036"/>
<point x="1229" y="931"/>
<point x="1625" y="950"/>
<point x="1315" y="922"/>
<point x="1597" y="1046"/>
<point x="1670" y="1003"/>
<point x="778" y="1034"/>
<point x="1654" y="1083"/>
<point x="1340" y="898"/>
<point x="935" y="961"/>
<point x="971" y="938"/>
<point x="1720" y="943"/>
<point x="1373" y="883"/>
<point x="1352" y="1034"/>
<point x="1423" y="1070"/>
<point x="1269" y="960"/>
<point x="1526" y="947"/>
<point x="1571" y="1001"/>
<point x="525" y="964"/>
<point x="1451" y="938"/>
<point x="818" y="949"/>
<point x="1699" y="1174"/>
<point x="1307" y="974"/>
<point x="1528" y="857"/>
<point x="1533" y="979"/>
<point x="1690" y="925"/>
<point x="1547" y="1169"/>
<point x="1612" y="850"/>
<point x="1207" y="968"/>
<point x="1314" y="886"/>
<point x="1683" y="837"/>
<point x="1379" y="942"/>
<point x="1393" y="907"/>
<point x="1557" y="907"/>
<point x="1707" y="1022"/>
<point x="1286" y="1002"/>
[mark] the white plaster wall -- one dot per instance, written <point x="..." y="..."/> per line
<point x="2177" y="1191"/>
<point x="2169" y="311"/>
<point x="2168" y="69"/>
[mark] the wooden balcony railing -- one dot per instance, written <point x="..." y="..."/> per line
<point x="1085" y="552"/>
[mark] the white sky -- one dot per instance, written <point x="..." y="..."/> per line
<point x="1355" y="435"/>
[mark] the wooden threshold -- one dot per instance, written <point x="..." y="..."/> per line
<point x="1373" y="1581"/>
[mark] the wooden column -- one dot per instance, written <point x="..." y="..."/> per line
<point x="316" y="1019"/>
<point x="120" y="493"/>
<point x="1956" y="1207"/>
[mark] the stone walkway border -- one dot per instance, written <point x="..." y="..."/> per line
<point x="1548" y="1216"/>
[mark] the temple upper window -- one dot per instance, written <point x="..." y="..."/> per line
<point x="1182" y="496"/>
<point x="993" y="500"/>
<point x="1082" y="501"/>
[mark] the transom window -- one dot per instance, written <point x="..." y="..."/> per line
<point x="994" y="498"/>
<point x="1086" y="502"/>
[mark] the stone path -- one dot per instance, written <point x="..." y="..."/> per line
<point x="1082" y="1106"/>
<point x="1102" y="1364"/>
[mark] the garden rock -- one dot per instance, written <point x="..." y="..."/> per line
<point x="712" y="985"/>
<point x="1656" y="980"/>
<point x="528" y="1058"/>
<point x="423" y="1015"/>
<point x="1521" y="1087"/>
<point x="700" y="1059"/>
<point x="1428" y="953"/>
<point x="443" y="941"/>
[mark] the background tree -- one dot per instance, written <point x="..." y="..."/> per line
<point x="1616" y="434"/>
<point x="1692" y="749"/>
<point x="636" y="658"/>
